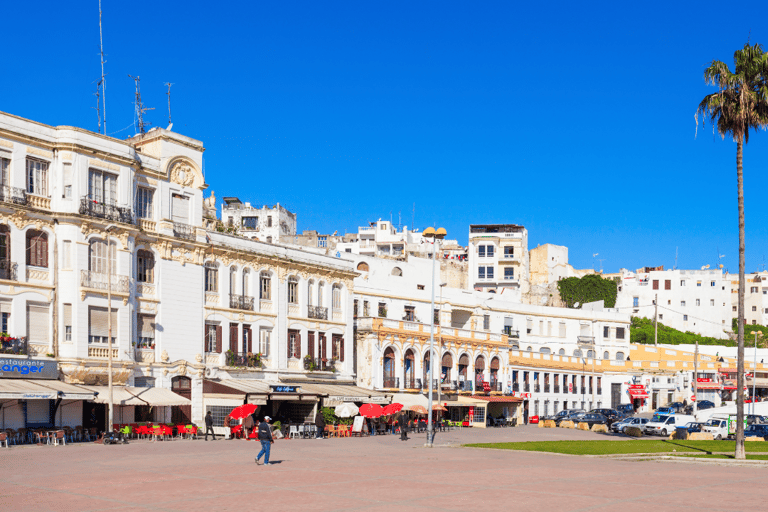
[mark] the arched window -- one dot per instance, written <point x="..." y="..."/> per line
<point x="320" y="292"/>
<point x="362" y="266"/>
<point x="336" y="304"/>
<point x="529" y="349"/>
<point x="5" y="251"/>
<point x="495" y="372"/>
<point x="232" y="280"/>
<point x="515" y="347"/>
<point x="577" y="353"/>
<point x="397" y="271"/>
<point x="620" y="356"/>
<point x="246" y="281"/>
<point x="293" y="290"/>
<point x="97" y="260"/>
<point x="426" y="368"/>
<point x="479" y="368"/>
<point x="310" y="293"/>
<point x="590" y="354"/>
<point x="265" y="286"/>
<point x="606" y="355"/>
<point x="389" y="368"/>
<point x="409" y="366"/>
<point x="561" y="352"/>
<point x="182" y="414"/>
<point x="446" y="365"/>
<point x="211" y="276"/>
<point x="145" y="266"/>
<point x="463" y="365"/>
<point x="37" y="248"/>
<point x="544" y="350"/>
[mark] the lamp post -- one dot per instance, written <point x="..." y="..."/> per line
<point x="754" y="371"/>
<point x="109" y="330"/>
<point x="440" y="344"/>
<point x="435" y="235"/>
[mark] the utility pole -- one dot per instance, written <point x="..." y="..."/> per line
<point x="656" y="321"/>
<point x="695" y="377"/>
<point x="169" y="103"/>
<point x="109" y="331"/>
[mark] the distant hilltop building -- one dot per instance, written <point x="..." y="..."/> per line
<point x="268" y="224"/>
<point x="498" y="258"/>
<point x="381" y="238"/>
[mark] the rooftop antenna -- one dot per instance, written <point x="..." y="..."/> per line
<point x="103" y="80"/>
<point x="675" y="267"/>
<point x="719" y="257"/>
<point x="413" y="219"/>
<point x="593" y="260"/>
<point x="169" y="84"/>
<point x="140" y="108"/>
<point x="601" y="264"/>
<point x="98" y="105"/>
<point x="400" y="222"/>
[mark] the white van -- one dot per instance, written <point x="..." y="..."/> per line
<point x="665" y="424"/>
<point x="717" y="426"/>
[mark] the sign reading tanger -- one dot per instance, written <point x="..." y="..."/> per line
<point x="12" y="368"/>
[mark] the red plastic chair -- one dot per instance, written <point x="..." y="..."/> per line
<point x="236" y="431"/>
<point x="181" y="430"/>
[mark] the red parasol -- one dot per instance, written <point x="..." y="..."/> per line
<point x="371" y="410"/>
<point x="243" y="411"/>
<point x="392" y="409"/>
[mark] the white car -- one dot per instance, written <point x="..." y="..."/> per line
<point x="718" y="427"/>
<point x="665" y="424"/>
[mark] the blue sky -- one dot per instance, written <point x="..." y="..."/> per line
<point x="575" y="120"/>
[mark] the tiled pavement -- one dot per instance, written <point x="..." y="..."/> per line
<point x="378" y="473"/>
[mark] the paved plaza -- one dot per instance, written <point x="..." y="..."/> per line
<point x="377" y="473"/>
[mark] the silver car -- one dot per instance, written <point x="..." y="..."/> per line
<point x="619" y="426"/>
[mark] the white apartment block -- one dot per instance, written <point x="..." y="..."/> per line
<point x="755" y="297"/>
<point x="498" y="259"/>
<point x="270" y="224"/>
<point x="381" y="238"/>
<point x="84" y="215"/>
<point x="698" y="301"/>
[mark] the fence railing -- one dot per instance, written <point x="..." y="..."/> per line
<point x="18" y="346"/>
<point x="318" y="312"/>
<point x="241" y="302"/>
<point x="98" y="281"/>
<point x="9" y="270"/>
<point x="184" y="231"/>
<point x="102" y="210"/>
<point x="13" y="195"/>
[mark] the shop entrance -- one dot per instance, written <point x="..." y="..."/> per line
<point x="615" y="395"/>
<point x="95" y="416"/>
<point x="182" y="414"/>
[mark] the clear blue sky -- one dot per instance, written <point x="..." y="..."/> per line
<point x="573" y="119"/>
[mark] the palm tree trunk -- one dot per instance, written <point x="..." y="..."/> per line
<point x="740" y="357"/>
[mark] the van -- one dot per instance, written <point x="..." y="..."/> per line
<point x="717" y="426"/>
<point x="665" y="424"/>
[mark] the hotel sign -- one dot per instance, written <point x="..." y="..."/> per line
<point x="12" y="368"/>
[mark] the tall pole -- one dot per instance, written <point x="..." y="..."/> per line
<point x="430" y="431"/>
<point x="656" y="321"/>
<point x="439" y="346"/>
<point x="109" y="331"/>
<point x="103" y="78"/>
<point x="754" y="373"/>
<point x="695" y="377"/>
<point x="594" y="377"/>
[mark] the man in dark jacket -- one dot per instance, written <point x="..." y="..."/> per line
<point x="403" y="428"/>
<point x="209" y="426"/>
<point x="266" y="440"/>
<point x="320" y="424"/>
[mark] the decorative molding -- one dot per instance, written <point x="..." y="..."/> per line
<point x="37" y="274"/>
<point x="199" y="357"/>
<point x="40" y="152"/>
<point x="92" y="162"/>
<point x="20" y="219"/>
<point x="145" y="288"/>
<point x="164" y="356"/>
<point x="6" y="143"/>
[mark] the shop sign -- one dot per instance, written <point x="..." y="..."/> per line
<point x="365" y="399"/>
<point x="704" y="380"/>
<point x="11" y="368"/>
<point x="284" y="389"/>
<point x="471" y="413"/>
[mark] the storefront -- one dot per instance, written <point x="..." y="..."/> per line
<point x="131" y="405"/>
<point x="637" y="395"/>
<point x="332" y="395"/>
<point x="471" y="412"/>
<point x="502" y="409"/>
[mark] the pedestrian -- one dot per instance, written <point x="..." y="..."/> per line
<point x="320" y="424"/>
<point x="228" y="425"/>
<point x="248" y="426"/>
<point x="403" y="429"/>
<point x="266" y="440"/>
<point x="372" y="426"/>
<point x="209" y="425"/>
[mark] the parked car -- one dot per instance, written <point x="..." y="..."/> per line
<point x="571" y="416"/>
<point x="718" y="427"/>
<point x="693" y="426"/>
<point x="559" y="415"/>
<point x="700" y="406"/>
<point x="665" y="424"/>
<point x="757" y="430"/>
<point x="676" y="406"/>
<point x="620" y="425"/>
<point x="611" y="414"/>
<point x="591" y="418"/>
<point x="626" y="409"/>
<point x="665" y="410"/>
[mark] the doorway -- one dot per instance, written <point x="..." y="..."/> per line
<point x="182" y="414"/>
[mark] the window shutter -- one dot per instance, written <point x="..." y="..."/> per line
<point x="341" y="350"/>
<point x="99" y="324"/>
<point x="5" y="306"/>
<point x="218" y="339"/>
<point x="38" y="320"/>
<point x="250" y="339"/>
<point x="233" y="337"/>
<point x="311" y="344"/>
<point x="180" y="209"/>
<point x="146" y="326"/>
<point x="298" y="345"/>
<point x="66" y="314"/>
<point x="205" y="338"/>
<point x="288" y="344"/>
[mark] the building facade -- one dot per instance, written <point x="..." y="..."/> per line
<point x="498" y="259"/>
<point x="269" y="224"/>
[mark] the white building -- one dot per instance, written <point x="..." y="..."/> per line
<point x="698" y="301"/>
<point x="755" y="297"/>
<point x="381" y="238"/>
<point x="498" y="259"/>
<point x="270" y="224"/>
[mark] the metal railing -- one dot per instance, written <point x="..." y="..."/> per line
<point x="410" y="383"/>
<point x="98" y="281"/>
<point x="511" y="333"/>
<point x="318" y="312"/>
<point x="583" y="390"/>
<point x="515" y="387"/>
<point x="546" y="388"/>
<point x="16" y="346"/>
<point x="392" y="383"/>
<point x="101" y="210"/>
<point x="557" y="389"/>
<point x="536" y="389"/>
<point x="526" y="387"/>
<point x="9" y="270"/>
<point x="244" y="360"/>
<point x="184" y="231"/>
<point x="575" y="390"/>
<point x="13" y="195"/>
<point x="599" y="391"/>
<point x="585" y="340"/>
<point x="241" y="302"/>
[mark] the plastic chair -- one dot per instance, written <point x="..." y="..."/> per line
<point x="3" y="439"/>
<point x="293" y="432"/>
<point x="192" y="431"/>
<point x="181" y="431"/>
<point x="59" y="438"/>
<point x="127" y="430"/>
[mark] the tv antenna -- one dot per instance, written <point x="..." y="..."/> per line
<point x="601" y="264"/>
<point x="170" y="123"/>
<point x="675" y="267"/>
<point x="595" y="255"/>
<point x="98" y="105"/>
<point x="103" y="81"/>
<point x="140" y="108"/>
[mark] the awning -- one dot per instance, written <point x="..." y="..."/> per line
<point x="707" y="385"/>
<point x="497" y="399"/>
<point x="41" y="389"/>
<point x="637" y="393"/>
<point x="257" y="391"/>
<point x="336" y="394"/>
<point x="409" y="400"/>
<point x="125" y="395"/>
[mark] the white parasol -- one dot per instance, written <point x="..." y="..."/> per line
<point x="346" y="410"/>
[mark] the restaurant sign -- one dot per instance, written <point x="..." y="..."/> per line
<point x="284" y="389"/>
<point x="12" y="368"/>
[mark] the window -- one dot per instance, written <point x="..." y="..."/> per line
<point x="247" y="341"/>
<point x="269" y="239"/>
<point x="606" y="355"/>
<point x="636" y="302"/>
<point x="362" y="266"/>
<point x="509" y="273"/>
<point x="145" y="266"/>
<point x="5" y="253"/>
<point x="620" y="333"/>
<point x="246" y="282"/>
<point x="269" y="221"/>
<point x="481" y="251"/>
<point x="250" y="222"/>
<point x="712" y="284"/>
<point x="211" y="276"/>
<point x="294" y="344"/>
<point x="509" y="252"/>
<point x="232" y="280"/>
<point x="436" y="316"/>
<point x="66" y="313"/>
<point x="293" y="290"/>
<point x="37" y="177"/>
<point x="219" y="413"/>
<point x="682" y="283"/>
<point x="382" y="310"/>
<point x="355" y="309"/>
<point x="480" y="414"/>
<point x="698" y="302"/>
<point x="562" y="330"/>
<point x="489" y="272"/>
<point x="486" y="322"/>
<point x="753" y="289"/>
<point x="419" y="286"/>
<point x="754" y="322"/>
<point x="336" y="297"/>
<point x="711" y="302"/>
<point x="655" y="284"/>
<point x="410" y="314"/>
<point x="212" y="338"/>
<point x="606" y="332"/>
<point x="366" y="310"/>
<point x="322" y="241"/>
<point x="102" y="187"/>
<point x="144" y="382"/>
<point x="67" y="181"/>
<point x="397" y="271"/>
<point x="754" y="308"/>
<point x="682" y="303"/>
<point x="66" y="254"/>
<point x="661" y="317"/>
<point x="265" y="286"/>
<point x="265" y="337"/>
<point x="38" y="322"/>
<point x="337" y="347"/>
<point x="98" y="262"/>
<point x="4" y="165"/>
<point x="179" y="209"/>
<point x="698" y="283"/>
<point x="98" y="325"/>
<point x="320" y="294"/>
<point x="145" y="331"/>
<point x="667" y="284"/>
<point x="685" y="318"/>
<point x="37" y="248"/>
<point x="144" y="198"/>
<point x="489" y="251"/>
<point x="481" y="272"/>
<point x="734" y="308"/>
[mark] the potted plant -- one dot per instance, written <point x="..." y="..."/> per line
<point x="230" y="357"/>
<point x="307" y="362"/>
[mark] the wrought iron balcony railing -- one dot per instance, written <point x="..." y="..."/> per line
<point x="98" y="281"/>
<point x="511" y="333"/>
<point x="8" y="270"/>
<point x="101" y="210"/>
<point x="13" y="195"/>
<point x="317" y="312"/>
<point x="241" y="302"/>
<point x="392" y="382"/>
<point x="184" y="231"/>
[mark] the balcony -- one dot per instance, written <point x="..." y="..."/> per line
<point x="546" y="388"/>
<point x="98" y="281"/>
<point x="516" y="387"/>
<point x="13" y="195"/>
<point x="536" y="388"/>
<point x="102" y="352"/>
<point x="317" y="312"/>
<point x="511" y="333"/>
<point x="144" y="355"/>
<point x="599" y="391"/>
<point x="526" y="387"/>
<point x="585" y="340"/>
<point x="575" y="390"/>
<point x="17" y="346"/>
<point x="241" y="302"/>
<point x="410" y="383"/>
<point x="557" y="389"/>
<point x="9" y="270"/>
<point x="392" y="383"/>
<point x="243" y="360"/>
<point x="184" y="231"/>
<point x="583" y="390"/>
<point x="101" y="210"/>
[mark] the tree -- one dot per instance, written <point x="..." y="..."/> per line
<point x="739" y="105"/>
<point x="589" y="288"/>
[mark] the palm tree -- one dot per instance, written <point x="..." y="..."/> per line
<point x="739" y="105"/>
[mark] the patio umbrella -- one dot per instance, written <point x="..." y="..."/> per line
<point x="392" y="409"/>
<point x="346" y="410"/>
<point x="418" y="409"/>
<point x="371" y="410"/>
<point x="243" y="411"/>
<point x="438" y="407"/>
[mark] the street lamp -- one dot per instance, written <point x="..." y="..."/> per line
<point x="754" y="372"/>
<point x="435" y="235"/>
<point x="109" y="328"/>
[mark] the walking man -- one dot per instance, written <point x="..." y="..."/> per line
<point x="266" y="440"/>
<point x="209" y="426"/>
<point x="320" y="424"/>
